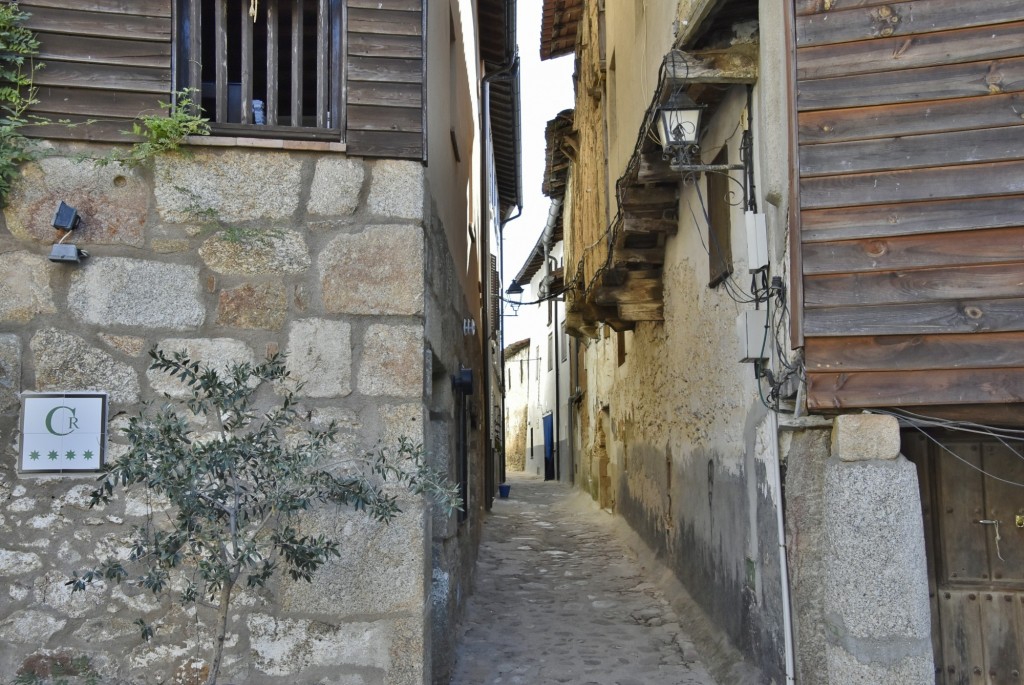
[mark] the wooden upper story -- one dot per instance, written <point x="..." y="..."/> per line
<point x="343" y="71"/>
<point x="335" y="70"/>
<point x="910" y="166"/>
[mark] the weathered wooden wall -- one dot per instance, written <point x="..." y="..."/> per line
<point x="105" y="62"/>
<point x="385" y="78"/>
<point x="108" y="61"/>
<point x="911" y="166"/>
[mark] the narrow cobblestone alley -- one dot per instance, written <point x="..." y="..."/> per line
<point x="560" y="599"/>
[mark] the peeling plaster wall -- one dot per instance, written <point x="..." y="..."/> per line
<point x="678" y="441"/>
<point x="234" y="253"/>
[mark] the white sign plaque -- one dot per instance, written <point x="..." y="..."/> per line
<point x="63" y="432"/>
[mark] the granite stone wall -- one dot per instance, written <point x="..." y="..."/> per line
<point x="231" y="254"/>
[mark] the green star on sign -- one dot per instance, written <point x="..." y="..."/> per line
<point x="87" y="455"/>
<point x="52" y="454"/>
<point x="70" y="454"/>
<point x="34" y="455"/>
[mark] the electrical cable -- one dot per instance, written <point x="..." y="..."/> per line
<point x="916" y="424"/>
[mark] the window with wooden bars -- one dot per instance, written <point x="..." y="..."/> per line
<point x="279" y="74"/>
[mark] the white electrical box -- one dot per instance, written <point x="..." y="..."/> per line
<point x="755" y="340"/>
<point x="757" y="242"/>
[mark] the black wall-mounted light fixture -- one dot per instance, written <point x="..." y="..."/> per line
<point x="66" y="219"/>
<point x="514" y="295"/>
<point x="678" y="127"/>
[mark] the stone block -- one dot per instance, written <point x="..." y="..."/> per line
<point x="846" y="669"/>
<point x="107" y="629"/>
<point x="347" y="448"/>
<point x="217" y="353"/>
<point x="336" y="186"/>
<point x="320" y="355"/>
<point x="30" y="627"/>
<point x="377" y="271"/>
<point x="876" y="581"/>
<point x="66" y="362"/>
<point x="289" y="647"/>
<point x="227" y="185"/>
<point x="117" y="291"/>
<point x="392" y="361"/>
<point x="10" y="372"/>
<point x="260" y="305"/>
<point x="863" y="437"/>
<point x="381" y="569"/>
<point x="401" y="421"/>
<point x="25" y="286"/>
<point x="52" y="591"/>
<point x="256" y="252"/>
<point x="396" y="190"/>
<point x="13" y="563"/>
<point x="113" y="202"/>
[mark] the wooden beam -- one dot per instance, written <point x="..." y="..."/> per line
<point x="912" y="118"/>
<point x="617" y="277"/>
<point x="916" y="318"/>
<point x="651" y="257"/>
<point x="990" y="77"/>
<point x="900" y="353"/>
<point x="907" y="18"/>
<point x="962" y="248"/>
<point x="910" y="185"/>
<point x="908" y="152"/>
<point x="654" y="168"/>
<point x="647" y="311"/>
<point x="650" y="197"/>
<point x="916" y="218"/>
<point x="900" y="52"/>
<point x="737" y="63"/>
<point x="618" y="325"/>
<point x="634" y="291"/>
<point x="645" y="225"/>
<point x="578" y="326"/>
<point x="883" y="389"/>
<point x="930" y="285"/>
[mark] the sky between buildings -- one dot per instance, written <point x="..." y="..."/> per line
<point x="546" y="89"/>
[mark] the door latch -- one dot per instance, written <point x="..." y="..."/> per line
<point x="996" y="522"/>
<point x="1020" y="520"/>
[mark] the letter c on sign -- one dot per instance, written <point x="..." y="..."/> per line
<point x="72" y="421"/>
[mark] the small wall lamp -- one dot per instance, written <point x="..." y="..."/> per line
<point x="514" y="295"/>
<point x="679" y="128"/>
<point x="66" y="219"/>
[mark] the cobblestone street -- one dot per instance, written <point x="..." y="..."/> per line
<point x="559" y="598"/>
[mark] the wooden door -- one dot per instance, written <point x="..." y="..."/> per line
<point x="974" y="523"/>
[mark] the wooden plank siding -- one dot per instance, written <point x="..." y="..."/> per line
<point x="106" y="63"/>
<point x="109" y="61"/>
<point x="386" y="76"/>
<point x="910" y="145"/>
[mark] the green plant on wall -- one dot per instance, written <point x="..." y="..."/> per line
<point x="237" y="493"/>
<point x="18" y="47"/>
<point x="161" y="133"/>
